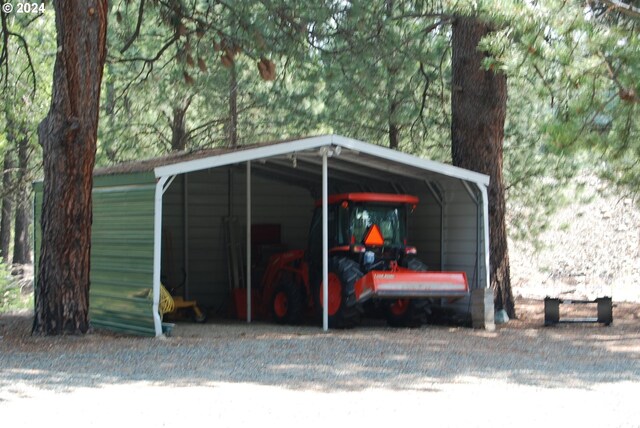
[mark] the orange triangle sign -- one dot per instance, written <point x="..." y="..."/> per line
<point x="374" y="237"/>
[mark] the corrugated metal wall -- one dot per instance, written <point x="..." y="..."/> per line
<point x="121" y="252"/>
<point x="424" y="226"/>
<point x="460" y="234"/>
<point x="273" y="202"/>
<point x="459" y="229"/>
<point x="463" y="246"/>
<point x="173" y="272"/>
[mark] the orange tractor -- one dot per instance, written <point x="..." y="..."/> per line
<point x="372" y="270"/>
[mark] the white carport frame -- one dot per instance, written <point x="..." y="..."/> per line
<point x="326" y="146"/>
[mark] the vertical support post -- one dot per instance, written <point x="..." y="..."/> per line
<point x="442" y="236"/>
<point x="479" y="235"/>
<point x="185" y="225"/>
<point x="157" y="251"/>
<point x="248" y="275"/>
<point x="325" y="243"/>
<point x="474" y="199"/>
<point x="485" y="226"/>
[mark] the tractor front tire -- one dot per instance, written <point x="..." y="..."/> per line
<point x="411" y="313"/>
<point x="287" y="304"/>
<point x="343" y="311"/>
<point x="414" y="263"/>
<point x="408" y="313"/>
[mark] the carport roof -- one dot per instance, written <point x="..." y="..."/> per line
<point x="352" y="156"/>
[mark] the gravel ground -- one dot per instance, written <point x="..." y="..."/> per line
<point x="231" y="374"/>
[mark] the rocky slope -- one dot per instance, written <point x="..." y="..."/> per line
<point x="591" y="250"/>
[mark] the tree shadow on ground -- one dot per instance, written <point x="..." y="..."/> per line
<point x="303" y="358"/>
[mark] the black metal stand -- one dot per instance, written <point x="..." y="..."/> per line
<point x="552" y="311"/>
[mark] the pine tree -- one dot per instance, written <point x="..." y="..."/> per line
<point x="68" y="138"/>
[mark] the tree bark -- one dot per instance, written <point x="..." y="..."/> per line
<point x="478" y="108"/>
<point x="68" y="137"/>
<point x="394" y="136"/>
<point x="7" y="204"/>
<point x="179" y="134"/>
<point x="21" y="247"/>
<point x="232" y="130"/>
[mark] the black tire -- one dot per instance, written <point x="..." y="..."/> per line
<point x="416" y="264"/>
<point x="287" y="304"/>
<point x="349" y="312"/>
<point x="411" y="313"/>
<point x="407" y="313"/>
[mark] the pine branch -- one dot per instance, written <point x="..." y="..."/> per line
<point x="149" y="60"/>
<point x="4" y="55"/>
<point x="136" y="32"/>
<point x="625" y="8"/>
<point x="627" y="94"/>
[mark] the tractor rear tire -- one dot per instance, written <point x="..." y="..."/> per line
<point x="344" y="273"/>
<point x="287" y="304"/>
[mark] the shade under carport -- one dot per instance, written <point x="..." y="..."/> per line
<point x="351" y="162"/>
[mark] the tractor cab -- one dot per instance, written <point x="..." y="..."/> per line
<point x="370" y="228"/>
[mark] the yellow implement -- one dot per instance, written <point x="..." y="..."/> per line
<point x="172" y="304"/>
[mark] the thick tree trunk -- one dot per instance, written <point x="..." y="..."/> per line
<point x="21" y="249"/>
<point x="68" y="137"/>
<point x="7" y="205"/>
<point x="393" y="130"/>
<point x="232" y="130"/>
<point x="478" y="108"/>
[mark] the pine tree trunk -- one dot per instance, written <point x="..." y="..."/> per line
<point x="394" y="136"/>
<point x="179" y="134"/>
<point x="68" y="137"/>
<point x="21" y="249"/>
<point x="233" y="108"/>
<point x="7" y="205"/>
<point x="478" y="108"/>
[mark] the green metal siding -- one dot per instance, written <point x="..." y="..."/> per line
<point x="122" y="253"/>
<point x="120" y="296"/>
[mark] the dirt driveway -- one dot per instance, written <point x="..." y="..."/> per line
<point x="235" y="375"/>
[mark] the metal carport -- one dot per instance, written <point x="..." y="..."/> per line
<point x="455" y="229"/>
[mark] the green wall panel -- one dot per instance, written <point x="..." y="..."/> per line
<point x="121" y="251"/>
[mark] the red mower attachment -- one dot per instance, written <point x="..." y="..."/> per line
<point x="409" y="284"/>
